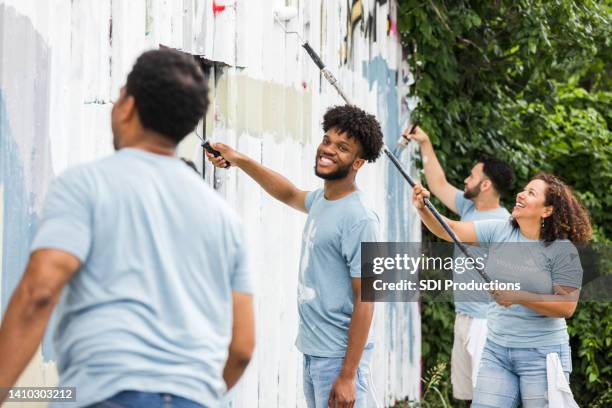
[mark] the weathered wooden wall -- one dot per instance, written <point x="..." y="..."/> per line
<point x="61" y="64"/>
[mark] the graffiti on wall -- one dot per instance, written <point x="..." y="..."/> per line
<point x="362" y="16"/>
<point x="219" y="6"/>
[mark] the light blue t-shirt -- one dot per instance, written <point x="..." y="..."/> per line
<point x="538" y="267"/>
<point x="468" y="212"/>
<point x="331" y="256"/>
<point x="150" y="309"/>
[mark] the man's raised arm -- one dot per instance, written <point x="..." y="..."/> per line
<point x="434" y="174"/>
<point x="275" y="184"/>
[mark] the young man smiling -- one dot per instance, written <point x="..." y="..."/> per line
<point x="334" y="323"/>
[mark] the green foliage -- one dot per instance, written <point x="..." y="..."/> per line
<point x="431" y="382"/>
<point x="527" y="81"/>
<point x="487" y="71"/>
<point x="570" y="138"/>
<point x="435" y="394"/>
<point x="437" y="342"/>
<point x="591" y="340"/>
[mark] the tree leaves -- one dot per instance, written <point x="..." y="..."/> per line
<point x="530" y="83"/>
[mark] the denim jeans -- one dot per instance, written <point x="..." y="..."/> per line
<point x="138" y="399"/>
<point x="320" y="373"/>
<point x="509" y="375"/>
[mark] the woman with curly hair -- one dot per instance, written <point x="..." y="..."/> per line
<point x="526" y="325"/>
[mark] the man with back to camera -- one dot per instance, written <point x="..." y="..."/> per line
<point x="489" y="179"/>
<point x="157" y="309"/>
<point x="334" y="322"/>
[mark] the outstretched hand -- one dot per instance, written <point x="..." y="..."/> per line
<point x="228" y="155"/>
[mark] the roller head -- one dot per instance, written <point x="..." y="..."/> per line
<point x="285" y="13"/>
<point x="402" y="142"/>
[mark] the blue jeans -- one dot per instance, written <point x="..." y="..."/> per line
<point x="509" y="375"/>
<point x="320" y="373"/>
<point x="138" y="399"/>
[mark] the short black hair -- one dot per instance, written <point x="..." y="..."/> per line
<point x="170" y="91"/>
<point x="499" y="172"/>
<point x="359" y="125"/>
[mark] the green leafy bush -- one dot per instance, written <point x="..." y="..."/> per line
<point x="528" y="82"/>
<point x="590" y="332"/>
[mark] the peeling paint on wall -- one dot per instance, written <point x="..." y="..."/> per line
<point x="61" y="65"/>
<point x="263" y="107"/>
<point x="400" y="219"/>
<point x="378" y="73"/>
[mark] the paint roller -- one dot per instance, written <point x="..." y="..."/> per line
<point x="403" y="140"/>
<point x="285" y="13"/>
<point x="282" y="15"/>
<point x="206" y="145"/>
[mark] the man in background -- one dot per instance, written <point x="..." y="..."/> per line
<point x="156" y="306"/>
<point x="488" y="180"/>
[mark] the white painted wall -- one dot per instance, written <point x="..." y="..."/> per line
<point x="63" y="61"/>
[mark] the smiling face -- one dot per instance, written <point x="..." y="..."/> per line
<point x="531" y="202"/>
<point x="338" y="156"/>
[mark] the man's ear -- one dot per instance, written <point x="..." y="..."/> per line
<point x="126" y="108"/>
<point x="358" y="163"/>
<point x="130" y="107"/>
<point x="486" y="184"/>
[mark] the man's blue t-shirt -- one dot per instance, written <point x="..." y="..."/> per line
<point x="468" y="212"/>
<point x="331" y="256"/>
<point x="538" y="267"/>
<point x="150" y="308"/>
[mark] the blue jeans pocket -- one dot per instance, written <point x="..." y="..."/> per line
<point x="362" y="377"/>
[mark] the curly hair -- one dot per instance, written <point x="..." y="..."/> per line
<point x="359" y="125"/>
<point x="170" y="92"/>
<point x="499" y="172"/>
<point x="569" y="220"/>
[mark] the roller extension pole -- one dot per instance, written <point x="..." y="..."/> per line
<point x="334" y="82"/>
